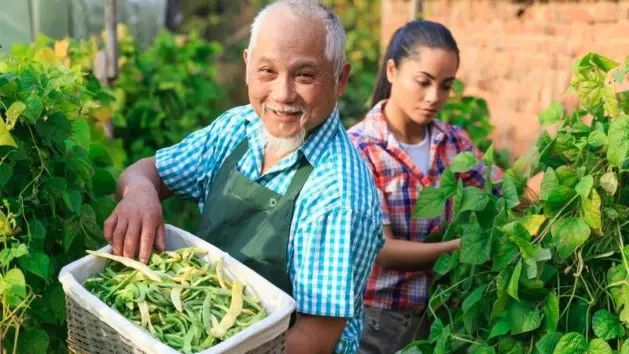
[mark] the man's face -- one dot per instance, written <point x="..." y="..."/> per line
<point x="291" y="85"/>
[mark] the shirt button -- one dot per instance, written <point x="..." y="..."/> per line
<point x="273" y="202"/>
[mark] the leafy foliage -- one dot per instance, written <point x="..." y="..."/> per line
<point x="51" y="201"/>
<point x="551" y="277"/>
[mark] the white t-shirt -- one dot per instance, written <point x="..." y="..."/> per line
<point x="420" y="153"/>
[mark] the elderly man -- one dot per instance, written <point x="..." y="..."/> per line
<point x="279" y="183"/>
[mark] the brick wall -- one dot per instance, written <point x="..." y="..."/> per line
<point x="518" y="56"/>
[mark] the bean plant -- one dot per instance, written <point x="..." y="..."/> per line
<point x="552" y="276"/>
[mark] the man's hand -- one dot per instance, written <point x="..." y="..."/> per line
<point x="136" y="221"/>
<point x="314" y="334"/>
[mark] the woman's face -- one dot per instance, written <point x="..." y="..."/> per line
<point x="421" y="84"/>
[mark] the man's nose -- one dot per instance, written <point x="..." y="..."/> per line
<point x="284" y="90"/>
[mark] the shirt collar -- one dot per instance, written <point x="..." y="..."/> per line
<point x="314" y="148"/>
<point x="378" y="130"/>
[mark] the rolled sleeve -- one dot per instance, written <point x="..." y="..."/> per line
<point x="333" y="256"/>
<point x="182" y="166"/>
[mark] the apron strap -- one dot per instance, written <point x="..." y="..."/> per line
<point x="299" y="179"/>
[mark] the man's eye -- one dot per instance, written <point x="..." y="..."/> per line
<point x="306" y="75"/>
<point x="265" y="71"/>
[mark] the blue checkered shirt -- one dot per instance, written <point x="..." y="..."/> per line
<point x="336" y="230"/>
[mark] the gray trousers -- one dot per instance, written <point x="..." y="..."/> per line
<point x="387" y="331"/>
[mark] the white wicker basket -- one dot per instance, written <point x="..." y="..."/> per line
<point x="94" y="327"/>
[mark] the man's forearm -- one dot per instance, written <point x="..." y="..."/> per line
<point x="141" y="174"/>
<point x="314" y="334"/>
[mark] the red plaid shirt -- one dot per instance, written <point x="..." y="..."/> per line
<point x="399" y="181"/>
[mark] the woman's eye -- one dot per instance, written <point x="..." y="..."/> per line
<point x="424" y="83"/>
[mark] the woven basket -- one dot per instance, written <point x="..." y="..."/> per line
<point x="88" y="335"/>
<point x="95" y="328"/>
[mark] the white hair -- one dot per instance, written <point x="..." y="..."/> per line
<point x="314" y="10"/>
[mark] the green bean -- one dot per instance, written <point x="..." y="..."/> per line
<point x="191" y="308"/>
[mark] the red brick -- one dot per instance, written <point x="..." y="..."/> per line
<point x="605" y="31"/>
<point x="574" y="12"/>
<point x="604" y="11"/>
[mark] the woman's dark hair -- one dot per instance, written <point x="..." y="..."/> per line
<point x="404" y="44"/>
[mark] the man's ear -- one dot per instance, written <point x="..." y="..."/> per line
<point x="245" y="56"/>
<point x="343" y="79"/>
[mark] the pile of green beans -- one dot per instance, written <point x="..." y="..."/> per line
<point x="181" y="300"/>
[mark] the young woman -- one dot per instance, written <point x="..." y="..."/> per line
<point x="408" y="150"/>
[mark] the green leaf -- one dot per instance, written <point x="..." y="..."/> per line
<point x="609" y="183"/>
<point x="508" y="345"/>
<point x="447" y="182"/>
<point x="597" y="139"/>
<point x="591" y="209"/>
<point x="618" y="141"/>
<point x="6" y="171"/>
<point x="568" y="234"/>
<point x="445" y="263"/>
<point x="430" y="203"/>
<point x="584" y="186"/>
<point x="606" y="326"/>
<point x="599" y="346"/>
<point x="488" y="157"/>
<point x="88" y="220"/>
<point x="73" y="200"/>
<point x="475" y="244"/>
<point x="603" y="63"/>
<point x="71" y="229"/>
<point x="571" y="343"/>
<point x="625" y="348"/>
<point x="512" y="289"/>
<point x="7" y="255"/>
<point x="551" y="312"/>
<point x="81" y="133"/>
<point x="474" y="199"/>
<point x="520" y="236"/>
<point x="499" y="329"/>
<point x="38" y="264"/>
<point x="610" y="101"/>
<point x="54" y="297"/>
<point x="34" y="109"/>
<point x="27" y="81"/>
<point x="14" y="112"/>
<point x="530" y="265"/>
<point x="549" y="183"/>
<point x="6" y="139"/>
<point x="510" y="191"/>
<point x="481" y="349"/>
<point x="548" y="343"/>
<point x="104" y="183"/>
<point x="33" y="340"/>
<point x="473" y="298"/>
<point x="463" y="162"/>
<point x="552" y="114"/>
<point x="504" y="254"/>
<point x="560" y="195"/>
<point x="37" y="229"/>
<point x="566" y="176"/>
<point x="15" y="286"/>
<point x="436" y="328"/>
<point x="532" y="223"/>
<point x="522" y="317"/>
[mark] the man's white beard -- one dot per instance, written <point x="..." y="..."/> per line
<point x="282" y="145"/>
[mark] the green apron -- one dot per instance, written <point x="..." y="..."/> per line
<point x="251" y="222"/>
